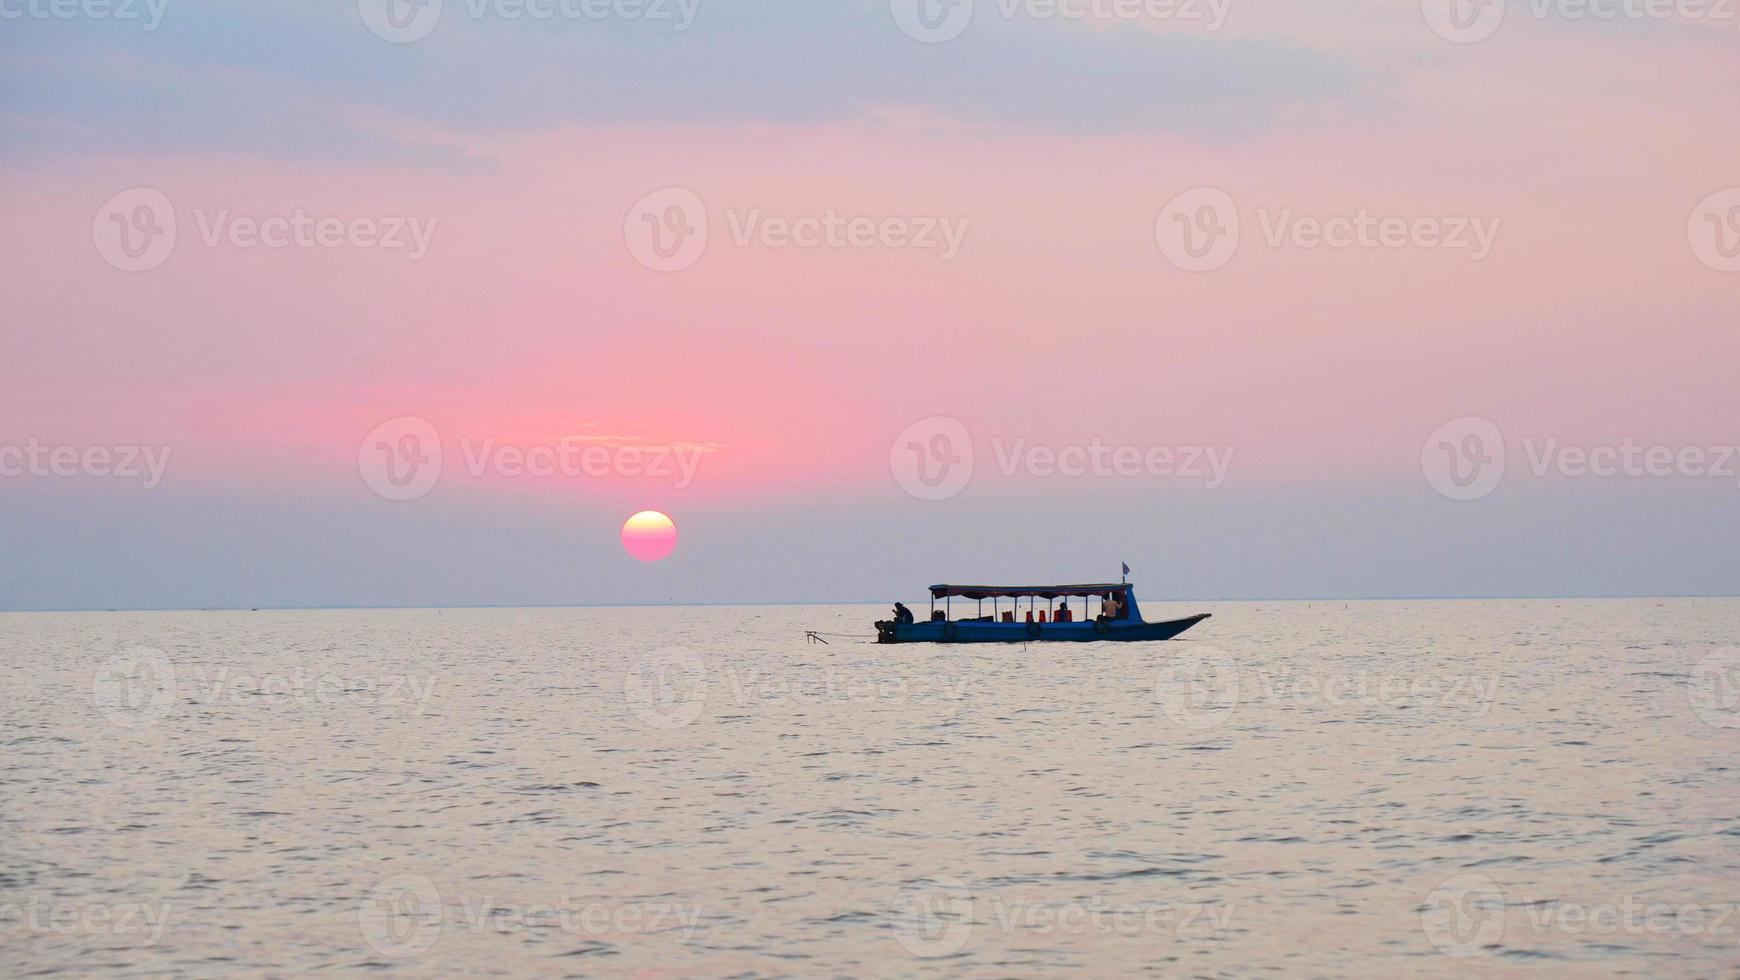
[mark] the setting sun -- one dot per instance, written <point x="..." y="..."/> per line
<point x="649" y="535"/>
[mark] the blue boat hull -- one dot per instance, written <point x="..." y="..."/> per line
<point x="978" y="631"/>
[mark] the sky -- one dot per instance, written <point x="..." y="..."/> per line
<point x="381" y="303"/>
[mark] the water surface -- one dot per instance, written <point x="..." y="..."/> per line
<point x="1536" y="788"/>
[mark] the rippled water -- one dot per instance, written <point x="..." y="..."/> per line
<point x="1370" y="789"/>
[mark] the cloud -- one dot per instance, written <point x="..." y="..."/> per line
<point x="314" y="83"/>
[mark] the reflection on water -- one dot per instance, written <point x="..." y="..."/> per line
<point x="1369" y="788"/>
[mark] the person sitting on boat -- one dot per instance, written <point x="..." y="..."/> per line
<point x="902" y="614"/>
<point x="1109" y="607"/>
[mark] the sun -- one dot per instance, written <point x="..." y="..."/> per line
<point x="649" y="535"/>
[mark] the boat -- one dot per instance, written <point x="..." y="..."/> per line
<point x="1027" y="621"/>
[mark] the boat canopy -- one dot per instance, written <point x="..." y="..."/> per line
<point x="1024" y="591"/>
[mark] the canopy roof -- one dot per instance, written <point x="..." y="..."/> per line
<point x="1024" y="591"/>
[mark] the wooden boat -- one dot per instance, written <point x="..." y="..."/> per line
<point x="1028" y="621"/>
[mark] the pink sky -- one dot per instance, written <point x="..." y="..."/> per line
<point x="1060" y="319"/>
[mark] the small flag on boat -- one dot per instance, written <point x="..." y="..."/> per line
<point x="1126" y="568"/>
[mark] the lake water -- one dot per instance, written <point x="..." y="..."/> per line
<point x="1375" y="789"/>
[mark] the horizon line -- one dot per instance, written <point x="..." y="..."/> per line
<point x="832" y="602"/>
